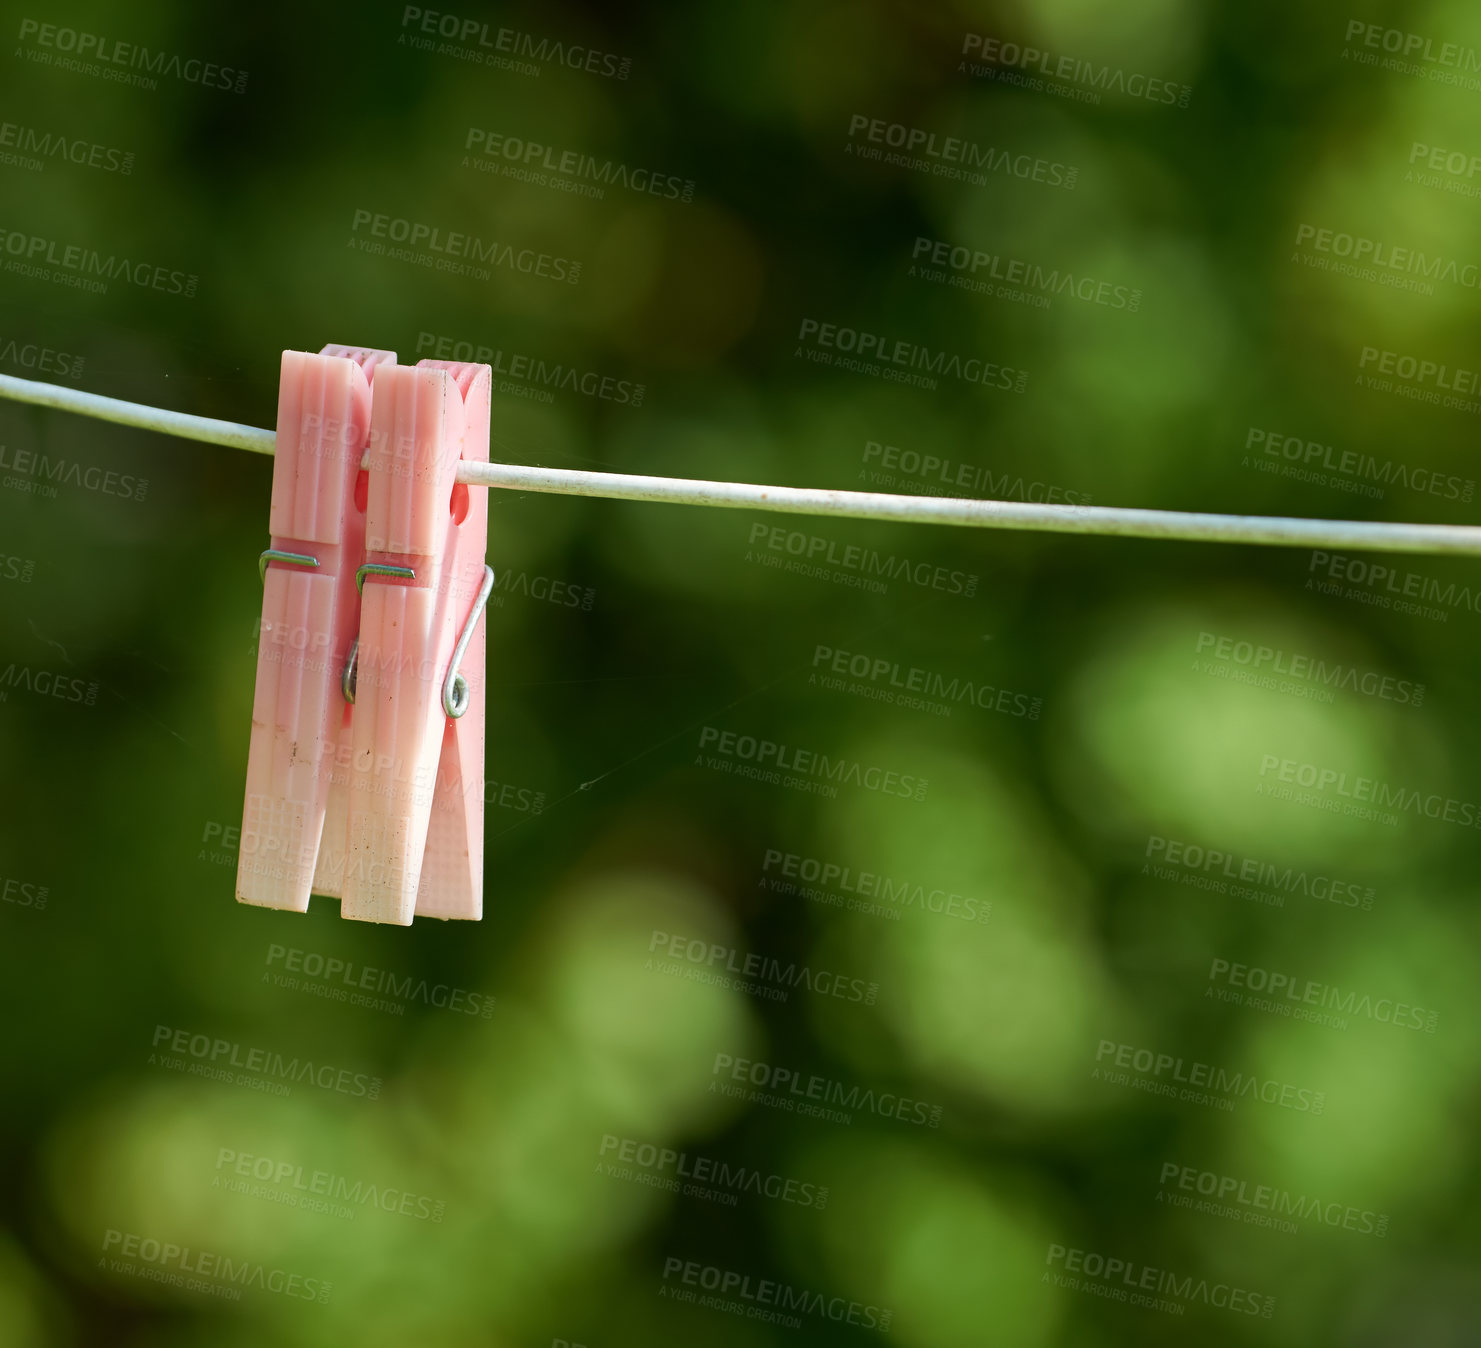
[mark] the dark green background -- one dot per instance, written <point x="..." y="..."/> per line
<point x="118" y="808"/>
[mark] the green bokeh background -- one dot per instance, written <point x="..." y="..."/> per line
<point x="605" y="824"/>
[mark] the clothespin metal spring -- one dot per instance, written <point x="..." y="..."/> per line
<point x="455" y="686"/>
<point x="278" y="555"/>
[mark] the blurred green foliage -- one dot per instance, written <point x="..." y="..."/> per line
<point x="129" y="654"/>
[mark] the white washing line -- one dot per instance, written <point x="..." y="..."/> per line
<point x="1115" y="521"/>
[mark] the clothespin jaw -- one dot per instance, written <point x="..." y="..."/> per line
<point x="414" y="829"/>
<point x="309" y="618"/>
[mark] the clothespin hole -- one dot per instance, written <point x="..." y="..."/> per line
<point x="362" y="489"/>
<point x="458" y="506"/>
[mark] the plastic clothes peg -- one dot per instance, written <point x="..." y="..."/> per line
<point x="414" y="828"/>
<point x="310" y="613"/>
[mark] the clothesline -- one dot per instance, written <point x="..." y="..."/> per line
<point x="1112" y="521"/>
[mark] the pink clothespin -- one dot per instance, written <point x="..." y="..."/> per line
<point x="414" y="828"/>
<point x="310" y="613"/>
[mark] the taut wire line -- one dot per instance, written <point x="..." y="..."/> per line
<point x="1109" y="521"/>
